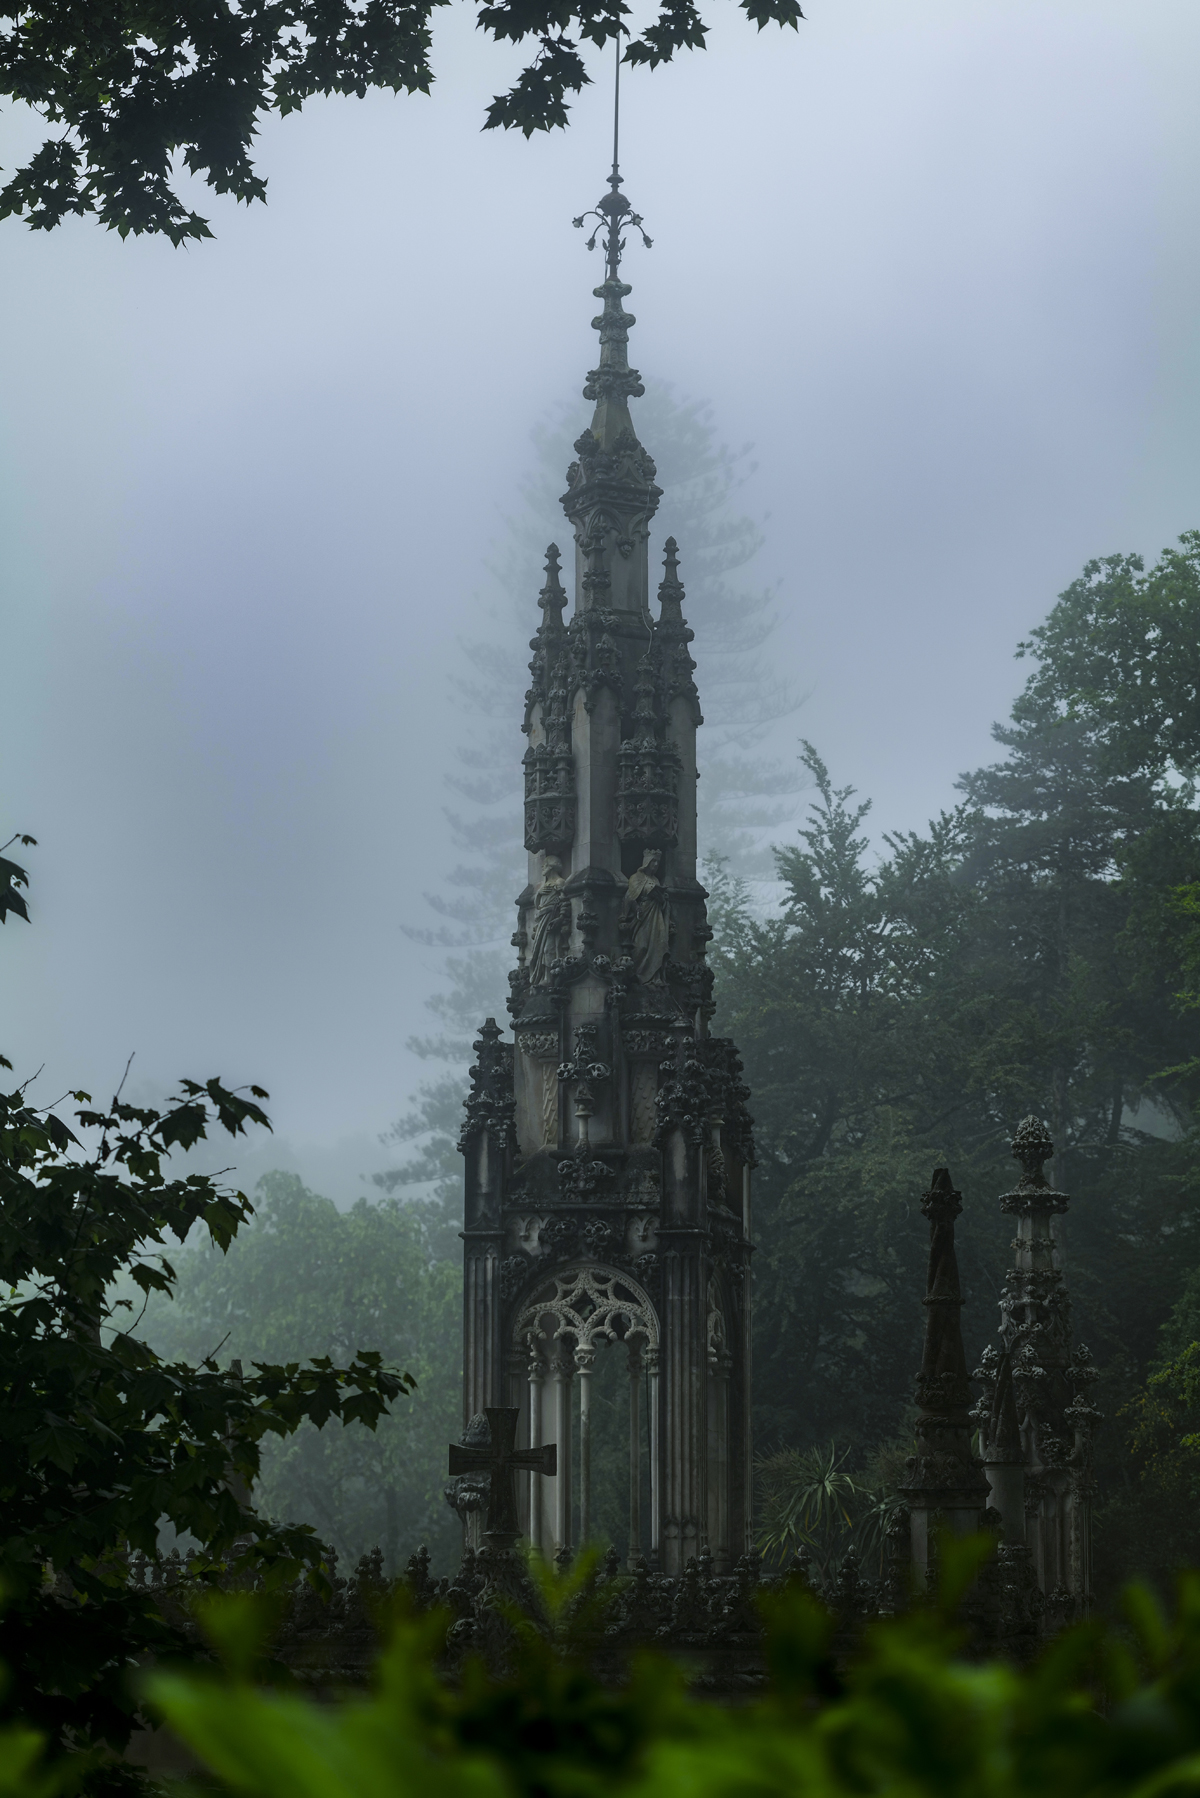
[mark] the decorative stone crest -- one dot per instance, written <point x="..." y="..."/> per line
<point x="559" y="1234"/>
<point x="684" y="1098"/>
<point x="584" y="1072"/>
<point x="600" y="1238"/>
<point x="514" y="1271"/>
<point x="582" y="1180"/>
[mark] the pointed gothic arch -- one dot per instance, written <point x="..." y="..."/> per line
<point x="572" y="1313"/>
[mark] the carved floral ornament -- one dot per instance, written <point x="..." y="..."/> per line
<point x="590" y="1305"/>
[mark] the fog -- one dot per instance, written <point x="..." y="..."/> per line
<point x="936" y="261"/>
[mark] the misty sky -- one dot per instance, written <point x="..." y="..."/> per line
<point x="937" y="260"/>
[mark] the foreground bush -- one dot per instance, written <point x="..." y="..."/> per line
<point x="1106" y="1712"/>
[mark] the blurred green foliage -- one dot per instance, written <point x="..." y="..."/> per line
<point x="1104" y="1714"/>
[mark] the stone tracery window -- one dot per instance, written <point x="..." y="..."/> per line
<point x="590" y="1304"/>
<point x="575" y="1311"/>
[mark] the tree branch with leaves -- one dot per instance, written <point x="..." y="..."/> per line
<point x="139" y="90"/>
<point x="101" y="1441"/>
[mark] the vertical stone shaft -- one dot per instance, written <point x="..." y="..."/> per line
<point x="1004" y="1457"/>
<point x="563" y="1371"/>
<point x="685" y="1357"/>
<point x="584" y="1359"/>
<point x="536" y="1377"/>
<point x="596" y="737"/>
<point x="635" y="1450"/>
<point x="656" y="1480"/>
<point x="486" y="1142"/>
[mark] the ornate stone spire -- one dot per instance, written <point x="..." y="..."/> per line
<point x="1049" y="1381"/>
<point x="673" y="634"/>
<point x="619" y="1213"/>
<point x="611" y="494"/>
<point x="613" y="384"/>
<point x="943" y="1478"/>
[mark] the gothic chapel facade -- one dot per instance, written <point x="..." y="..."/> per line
<point x="608" y="1146"/>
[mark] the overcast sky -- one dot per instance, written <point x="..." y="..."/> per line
<point x="938" y="260"/>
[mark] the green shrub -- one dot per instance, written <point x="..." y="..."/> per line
<point x="1105" y="1713"/>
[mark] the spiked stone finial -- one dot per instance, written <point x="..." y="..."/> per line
<point x="670" y="588"/>
<point x="552" y="597"/>
<point x="613" y="384"/>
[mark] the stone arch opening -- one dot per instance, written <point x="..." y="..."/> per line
<point x="575" y="1314"/>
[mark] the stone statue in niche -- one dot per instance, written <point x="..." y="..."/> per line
<point x="647" y="910"/>
<point x="551" y="915"/>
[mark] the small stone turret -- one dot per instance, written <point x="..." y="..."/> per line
<point x="944" y="1482"/>
<point x="1037" y="1386"/>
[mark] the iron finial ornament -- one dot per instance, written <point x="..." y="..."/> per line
<point x="613" y="214"/>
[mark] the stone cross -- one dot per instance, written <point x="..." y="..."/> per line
<point x="500" y="1459"/>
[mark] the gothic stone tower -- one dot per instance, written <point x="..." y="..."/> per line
<point x="608" y="1147"/>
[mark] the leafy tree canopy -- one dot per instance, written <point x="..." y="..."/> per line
<point x="138" y="87"/>
<point x="13" y="876"/>
<point x="101" y="1440"/>
<point x="1034" y="949"/>
<point x="1121" y="652"/>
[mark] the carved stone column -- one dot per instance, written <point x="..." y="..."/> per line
<point x="720" y="1367"/>
<point x="685" y="1398"/>
<point x="655" y="1404"/>
<point x="537" y="1375"/>
<point x="683" y="1238"/>
<point x="585" y="1358"/>
<point x="1003" y="1455"/>
<point x="635" y="1450"/>
<point x="563" y="1373"/>
<point x="486" y="1141"/>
